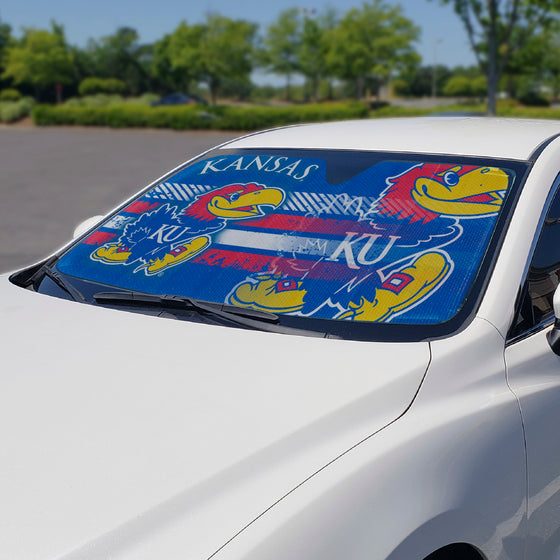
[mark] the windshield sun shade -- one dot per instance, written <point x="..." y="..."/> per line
<point x="306" y="234"/>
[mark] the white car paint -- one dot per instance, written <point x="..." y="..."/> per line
<point x="195" y="432"/>
<point x="510" y="266"/>
<point x="501" y="138"/>
<point x="433" y="477"/>
<point x="113" y="448"/>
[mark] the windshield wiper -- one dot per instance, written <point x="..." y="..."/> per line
<point x="181" y="302"/>
<point x="141" y="299"/>
<point x="243" y="316"/>
<point x="61" y="282"/>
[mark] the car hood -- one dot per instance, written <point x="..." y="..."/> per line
<point x="128" y="436"/>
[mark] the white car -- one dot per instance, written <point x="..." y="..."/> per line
<point x="322" y="342"/>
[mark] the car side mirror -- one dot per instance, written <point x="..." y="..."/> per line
<point x="554" y="335"/>
<point x="88" y="223"/>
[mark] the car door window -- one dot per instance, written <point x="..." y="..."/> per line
<point x="543" y="277"/>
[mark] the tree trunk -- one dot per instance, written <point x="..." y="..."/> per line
<point x="360" y="83"/>
<point x="330" y="89"/>
<point x="492" y="87"/>
<point x="492" y="60"/>
<point x="313" y="85"/>
<point x="315" y="89"/>
<point x="214" y="83"/>
<point x="58" y="91"/>
<point x="510" y="87"/>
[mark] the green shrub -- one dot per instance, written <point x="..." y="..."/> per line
<point x="457" y="86"/>
<point x="441" y="110"/>
<point x="10" y="94"/>
<point x="12" y="111"/>
<point x="533" y="99"/>
<point x="106" y="100"/>
<point x="479" y="86"/>
<point x="186" y="117"/>
<point x="395" y="111"/>
<point x="119" y="116"/>
<point x="97" y="100"/>
<point x="92" y="86"/>
<point x="400" y="87"/>
<point x="252" y="118"/>
<point x="530" y="112"/>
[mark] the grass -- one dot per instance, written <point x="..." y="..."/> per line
<point x="13" y="111"/>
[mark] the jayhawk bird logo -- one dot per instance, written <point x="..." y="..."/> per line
<point x="167" y="237"/>
<point x="420" y="264"/>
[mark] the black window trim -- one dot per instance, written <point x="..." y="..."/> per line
<point x="548" y="320"/>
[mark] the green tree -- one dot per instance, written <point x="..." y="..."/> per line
<point x="93" y="86"/>
<point x="5" y="41"/>
<point x="123" y="57"/>
<point x="370" y="43"/>
<point x="313" y="48"/>
<point x="166" y="68"/>
<point x="479" y="86"/>
<point x="417" y="81"/>
<point x="83" y="66"/>
<point x="220" y="49"/>
<point x="226" y="51"/>
<point x="538" y="63"/>
<point x="41" y="58"/>
<point x="281" y="46"/>
<point x="457" y="86"/>
<point x="497" y="30"/>
<point x="550" y="61"/>
<point x="178" y="55"/>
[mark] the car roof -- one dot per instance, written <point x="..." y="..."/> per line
<point x="471" y="136"/>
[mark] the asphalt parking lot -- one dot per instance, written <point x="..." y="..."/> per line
<point x="53" y="178"/>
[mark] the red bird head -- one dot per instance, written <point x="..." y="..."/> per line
<point x="234" y="202"/>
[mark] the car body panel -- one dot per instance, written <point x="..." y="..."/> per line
<point x="137" y="425"/>
<point x="499" y="302"/>
<point x="500" y="138"/>
<point x="534" y="375"/>
<point x="452" y="469"/>
<point x="136" y="437"/>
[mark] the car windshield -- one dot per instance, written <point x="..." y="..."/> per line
<point x="344" y="237"/>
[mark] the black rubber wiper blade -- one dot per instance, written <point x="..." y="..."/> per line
<point x="61" y="282"/>
<point x="242" y="316"/>
<point x="182" y="302"/>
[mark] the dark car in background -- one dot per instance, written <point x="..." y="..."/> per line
<point x="178" y="99"/>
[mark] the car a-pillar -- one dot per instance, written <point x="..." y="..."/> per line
<point x="554" y="335"/>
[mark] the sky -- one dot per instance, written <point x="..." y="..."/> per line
<point x="443" y="39"/>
